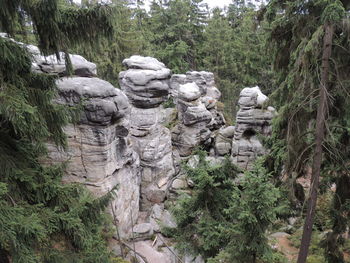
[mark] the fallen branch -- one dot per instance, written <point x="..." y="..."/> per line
<point x="170" y="249"/>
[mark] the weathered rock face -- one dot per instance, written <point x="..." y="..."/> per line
<point x="252" y="119"/>
<point x="52" y="65"/>
<point x="121" y="139"/>
<point x="203" y="79"/>
<point x="197" y="113"/>
<point x="56" y="65"/>
<point x="146" y="83"/>
<point x="223" y="141"/>
<point x="99" y="150"/>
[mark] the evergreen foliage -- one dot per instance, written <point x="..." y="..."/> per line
<point x="202" y="227"/>
<point x="297" y="38"/>
<point x="42" y="220"/>
<point x="185" y="35"/>
<point x="234" y="48"/>
<point x="127" y="39"/>
<point x="225" y="220"/>
<point x="176" y="31"/>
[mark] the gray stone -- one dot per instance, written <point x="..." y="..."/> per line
<point x="99" y="153"/>
<point x="179" y="184"/>
<point x="175" y="81"/>
<point x="251" y="119"/>
<point x="146" y="82"/>
<point x="162" y="218"/>
<point x="203" y="79"/>
<point x="154" y="254"/>
<point x="227" y="132"/>
<point x="196" y="114"/>
<point x="252" y="98"/>
<point x="52" y="65"/>
<point x="223" y="140"/>
<point x="103" y="104"/>
<point x="209" y="102"/>
<point x="213" y="92"/>
<point x="144" y="228"/>
<point x="139" y="62"/>
<point x="189" y="92"/>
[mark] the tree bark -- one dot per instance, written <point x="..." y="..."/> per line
<point x="319" y="138"/>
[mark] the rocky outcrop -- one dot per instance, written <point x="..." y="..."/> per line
<point x="203" y="79"/>
<point x="253" y="119"/>
<point x="122" y="140"/>
<point x="56" y="64"/>
<point x="133" y="140"/>
<point x="197" y="112"/>
<point x="223" y="141"/>
<point x="99" y="152"/>
<point x="146" y="83"/>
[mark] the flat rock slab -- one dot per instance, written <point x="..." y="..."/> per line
<point x="143" y="228"/>
<point x="152" y="255"/>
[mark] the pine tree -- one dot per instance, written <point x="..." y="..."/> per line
<point x="234" y="48"/>
<point x="127" y="39"/>
<point x="42" y="220"/>
<point x="224" y="220"/>
<point x="254" y="207"/>
<point x="176" y="31"/>
<point x="312" y="71"/>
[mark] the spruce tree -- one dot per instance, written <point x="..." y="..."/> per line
<point x="42" y="220"/>
<point x="225" y="219"/>
<point x="313" y="72"/>
<point x="176" y="31"/>
<point x="234" y="48"/>
<point x="127" y="39"/>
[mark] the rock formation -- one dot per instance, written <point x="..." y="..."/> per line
<point x="146" y="83"/>
<point x="56" y="64"/>
<point x="131" y="142"/>
<point x="197" y="112"/>
<point x="253" y="119"/>
<point x="127" y="140"/>
<point x="223" y="141"/>
<point x="99" y="152"/>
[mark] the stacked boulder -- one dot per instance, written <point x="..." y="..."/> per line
<point x="253" y="119"/>
<point x="99" y="151"/>
<point x="196" y="100"/>
<point x="146" y="84"/>
<point x="56" y="64"/>
<point x="223" y="141"/>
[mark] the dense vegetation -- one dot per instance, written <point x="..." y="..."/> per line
<point x="185" y="35"/>
<point x="42" y="220"/>
<point x="295" y="50"/>
<point x="226" y="217"/>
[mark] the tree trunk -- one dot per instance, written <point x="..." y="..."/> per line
<point x="319" y="138"/>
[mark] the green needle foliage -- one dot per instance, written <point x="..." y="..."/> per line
<point x="297" y="31"/>
<point x="255" y="205"/>
<point x="175" y="31"/>
<point x="225" y="220"/>
<point x="234" y="48"/>
<point x="41" y="219"/>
